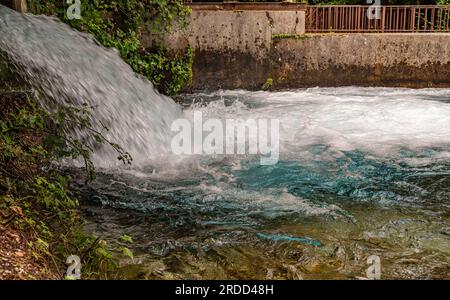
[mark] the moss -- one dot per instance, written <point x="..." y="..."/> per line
<point x="303" y="36"/>
<point x="291" y="36"/>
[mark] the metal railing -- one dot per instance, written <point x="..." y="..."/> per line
<point x="355" y="18"/>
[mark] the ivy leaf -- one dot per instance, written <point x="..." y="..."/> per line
<point x="127" y="252"/>
<point x="126" y="238"/>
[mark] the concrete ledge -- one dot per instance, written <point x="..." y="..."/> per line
<point x="266" y="6"/>
<point x="243" y="31"/>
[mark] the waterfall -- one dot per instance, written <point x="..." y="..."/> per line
<point x="70" y="67"/>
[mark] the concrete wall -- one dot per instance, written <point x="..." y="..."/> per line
<point x="227" y="30"/>
<point x="237" y="49"/>
<point x="410" y="60"/>
<point x="232" y="46"/>
<point x="406" y="60"/>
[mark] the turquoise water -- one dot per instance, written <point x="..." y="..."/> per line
<point x="362" y="171"/>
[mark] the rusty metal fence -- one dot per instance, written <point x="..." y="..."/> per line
<point x="356" y="18"/>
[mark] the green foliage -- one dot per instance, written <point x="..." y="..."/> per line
<point x="267" y="85"/>
<point x="170" y="73"/>
<point x="127" y="252"/>
<point x="121" y="23"/>
<point x="126" y="238"/>
<point x="34" y="197"/>
<point x="67" y="118"/>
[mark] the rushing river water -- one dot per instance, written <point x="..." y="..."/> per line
<point x="362" y="171"/>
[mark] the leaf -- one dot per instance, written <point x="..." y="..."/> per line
<point x="126" y="238"/>
<point x="127" y="252"/>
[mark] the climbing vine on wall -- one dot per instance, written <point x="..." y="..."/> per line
<point x="121" y="24"/>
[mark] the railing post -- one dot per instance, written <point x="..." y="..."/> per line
<point x="383" y="18"/>
<point x="432" y="19"/>
<point x="317" y="19"/>
<point x="360" y="14"/>
<point x="439" y="14"/>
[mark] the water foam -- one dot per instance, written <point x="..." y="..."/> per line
<point x="379" y="121"/>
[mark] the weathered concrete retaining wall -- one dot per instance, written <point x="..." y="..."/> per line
<point x="232" y="46"/>
<point x="243" y="31"/>
<point x="238" y="49"/>
<point x="411" y="60"/>
<point x="408" y="60"/>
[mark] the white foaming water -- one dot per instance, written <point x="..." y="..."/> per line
<point x="70" y="67"/>
<point x="379" y="121"/>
